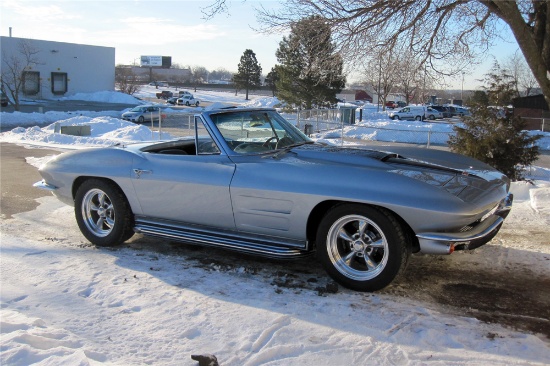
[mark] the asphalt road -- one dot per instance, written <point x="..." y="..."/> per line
<point x="17" y="178"/>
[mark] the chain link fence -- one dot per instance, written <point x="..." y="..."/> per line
<point x="333" y="124"/>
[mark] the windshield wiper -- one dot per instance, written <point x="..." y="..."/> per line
<point x="286" y="149"/>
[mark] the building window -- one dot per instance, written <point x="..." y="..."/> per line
<point x="59" y="82"/>
<point x="31" y="82"/>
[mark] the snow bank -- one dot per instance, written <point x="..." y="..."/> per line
<point x="105" y="131"/>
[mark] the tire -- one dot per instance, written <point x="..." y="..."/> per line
<point x="418" y="118"/>
<point x="141" y="119"/>
<point x="431" y="117"/>
<point x="187" y="104"/>
<point x="395" y="118"/>
<point x="103" y="213"/>
<point x="196" y="104"/>
<point x="347" y="254"/>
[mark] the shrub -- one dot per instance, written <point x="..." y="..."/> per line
<point x="496" y="140"/>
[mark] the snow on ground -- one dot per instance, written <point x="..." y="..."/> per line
<point x="64" y="302"/>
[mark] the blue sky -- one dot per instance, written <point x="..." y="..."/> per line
<point x="170" y="28"/>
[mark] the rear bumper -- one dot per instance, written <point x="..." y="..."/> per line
<point x="475" y="236"/>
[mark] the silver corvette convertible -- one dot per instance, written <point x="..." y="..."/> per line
<point x="250" y="181"/>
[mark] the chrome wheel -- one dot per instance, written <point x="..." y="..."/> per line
<point x="98" y="212"/>
<point x="362" y="247"/>
<point x="357" y="247"/>
<point x="103" y="213"/>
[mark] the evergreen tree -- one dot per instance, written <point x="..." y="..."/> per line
<point x="248" y="76"/>
<point x="500" y="86"/>
<point x="479" y="97"/>
<point x="271" y="80"/>
<point x="310" y="71"/>
<point x="493" y="137"/>
<point x="498" y="141"/>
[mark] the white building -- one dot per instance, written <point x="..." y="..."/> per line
<point x="62" y="69"/>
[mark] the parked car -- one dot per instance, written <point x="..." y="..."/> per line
<point x="432" y="114"/>
<point x="444" y="110"/>
<point x="165" y="94"/>
<point x="250" y="181"/>
<point x="3" y="99"/>
<point x="401" y="104"/>
<point x="172" y="100"/>
<point x="458" y="111"/>
<point x="143" y="113"/>
<point x="391" y="104"/>
<point x="188" y="100"/>
<point x="410" y="112"/>
<point x="181" y="93"/>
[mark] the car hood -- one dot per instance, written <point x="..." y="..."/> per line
<point x="462" y="176"/>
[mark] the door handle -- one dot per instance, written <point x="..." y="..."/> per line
<point x="139" y="172"/>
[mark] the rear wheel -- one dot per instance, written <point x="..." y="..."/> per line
<point x="361" y="247"/>
<point x="418" y="118"/>
<point x="196" y="104"/>
<point x="103" y="214"/>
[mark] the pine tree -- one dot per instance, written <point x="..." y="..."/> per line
<point x="498" y="141"/>
<point x="310" y="71"/>
<point x="271" y="80"/>
<point x="500" y="86"/>
<point x="248" y="76"/>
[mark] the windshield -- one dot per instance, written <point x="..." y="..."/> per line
<point x="249" y="132"/>
<point x="137" y="109"/>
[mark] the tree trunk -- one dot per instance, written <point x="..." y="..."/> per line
<point x="534" y="50"/>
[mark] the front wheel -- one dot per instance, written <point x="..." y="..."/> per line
<point x="141" y="119"/>
<point x="187" y="104"/>
<point x="361" y="247"/>
<point x="395" y="118"/>
<point x="103" y="214"/>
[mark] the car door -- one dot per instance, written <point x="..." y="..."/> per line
<point x="263" y="198"/>
<point x="186" y="188"/>
<point x="405" y="113"/>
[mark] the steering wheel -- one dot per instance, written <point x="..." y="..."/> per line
<point x="250" y="147"/>
<point x="285" y="141"/>
<point x="266" y="144"/>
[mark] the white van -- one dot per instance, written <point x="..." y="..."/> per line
<point x="410" y="112"/>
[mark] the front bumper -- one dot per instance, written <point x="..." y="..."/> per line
<point x="472" y="237"/>
<point x="45" y="186"/>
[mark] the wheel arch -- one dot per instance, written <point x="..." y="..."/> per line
<point x="80" y="180"/>
<point x="321" y="209"/>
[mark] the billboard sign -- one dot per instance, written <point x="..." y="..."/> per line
<point x="151" y="60"/>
